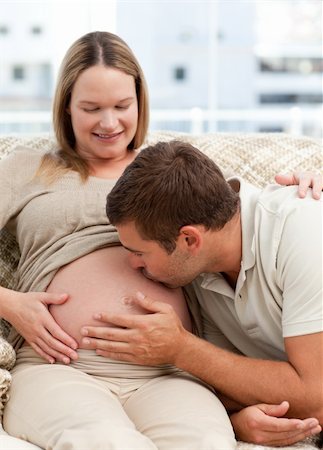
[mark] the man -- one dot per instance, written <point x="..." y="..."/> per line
<point x="248" y="257"/>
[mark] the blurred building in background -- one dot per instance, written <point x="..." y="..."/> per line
<point x="34" y="36"/>
<point x="255" y="60"/>
<point x="210" y="65"/>
<point x="26" y="76"/>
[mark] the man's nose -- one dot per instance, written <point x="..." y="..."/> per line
<point x="135" y="261"/>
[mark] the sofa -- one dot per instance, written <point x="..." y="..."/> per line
<point x="256" y="156"/>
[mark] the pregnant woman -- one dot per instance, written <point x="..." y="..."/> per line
<point x="72" y="266"/>
<point x="64" y="396"/>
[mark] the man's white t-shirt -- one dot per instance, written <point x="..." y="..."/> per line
<point x="279" y="289"/>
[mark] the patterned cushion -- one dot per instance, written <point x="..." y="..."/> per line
<point x="257" y="157"/>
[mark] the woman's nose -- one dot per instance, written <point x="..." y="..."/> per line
<point x="108" y="120"/>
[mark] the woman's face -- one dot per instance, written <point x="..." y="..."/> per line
<point x="104" y="113"/>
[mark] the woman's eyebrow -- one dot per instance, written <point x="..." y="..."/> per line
<point x="91" y="102"/>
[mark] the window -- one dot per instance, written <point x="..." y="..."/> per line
<point x="18" y="73"/>
<point x="36" y="29"/>
<point x="290" y="98"/>
<point x="180" y="73"/>
<point x="4" y="30"/>
<point x="291" y="65"/>
<point x="270" y="129"/>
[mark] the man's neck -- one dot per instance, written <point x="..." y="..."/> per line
<point x="231" y="278"/>
<point x="226" y="250"/>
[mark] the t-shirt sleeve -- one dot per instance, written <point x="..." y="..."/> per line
<point x="299" y="269"/>
<point x="215" y="336"/>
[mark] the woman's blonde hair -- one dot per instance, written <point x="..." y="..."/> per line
<point x="91" y="49"/>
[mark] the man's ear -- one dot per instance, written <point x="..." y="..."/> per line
<point x="191" y="238"/>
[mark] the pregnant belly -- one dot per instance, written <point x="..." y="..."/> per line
<point x="100" y="282"/>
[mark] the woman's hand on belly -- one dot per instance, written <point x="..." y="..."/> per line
<point x="29" y="315"/>
<point x="153" y="338"/>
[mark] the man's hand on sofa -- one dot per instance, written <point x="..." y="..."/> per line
<point x="265" y="425"/>
<point x="28" y="313"/>
<point x="304" y="180"/>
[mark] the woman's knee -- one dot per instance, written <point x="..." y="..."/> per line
<point x="105" y="435"/>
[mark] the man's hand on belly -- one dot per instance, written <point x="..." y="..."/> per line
<point x="151" y="339"/>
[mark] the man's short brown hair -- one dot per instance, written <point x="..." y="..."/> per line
<point x="167" y="186"/>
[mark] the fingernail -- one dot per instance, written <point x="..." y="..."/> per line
<point x="140" y="295"/>
<point x="84" y="331"/>
<point x="313" y="423"/>
<point x="97" y="316"/>
<point x="73" y="355"/>
<point x="86" y="341"/>
<point x="66" y="360"/>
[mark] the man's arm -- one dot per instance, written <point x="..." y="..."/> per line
<point x="159" y="338"/>
<point x="250" y="381"/>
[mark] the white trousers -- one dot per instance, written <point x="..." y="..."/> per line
<point x="100" y="404"/>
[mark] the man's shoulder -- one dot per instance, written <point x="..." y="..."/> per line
<point x="276" y="199"/>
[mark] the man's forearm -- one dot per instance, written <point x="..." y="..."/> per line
<point x="246" y="380"/>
